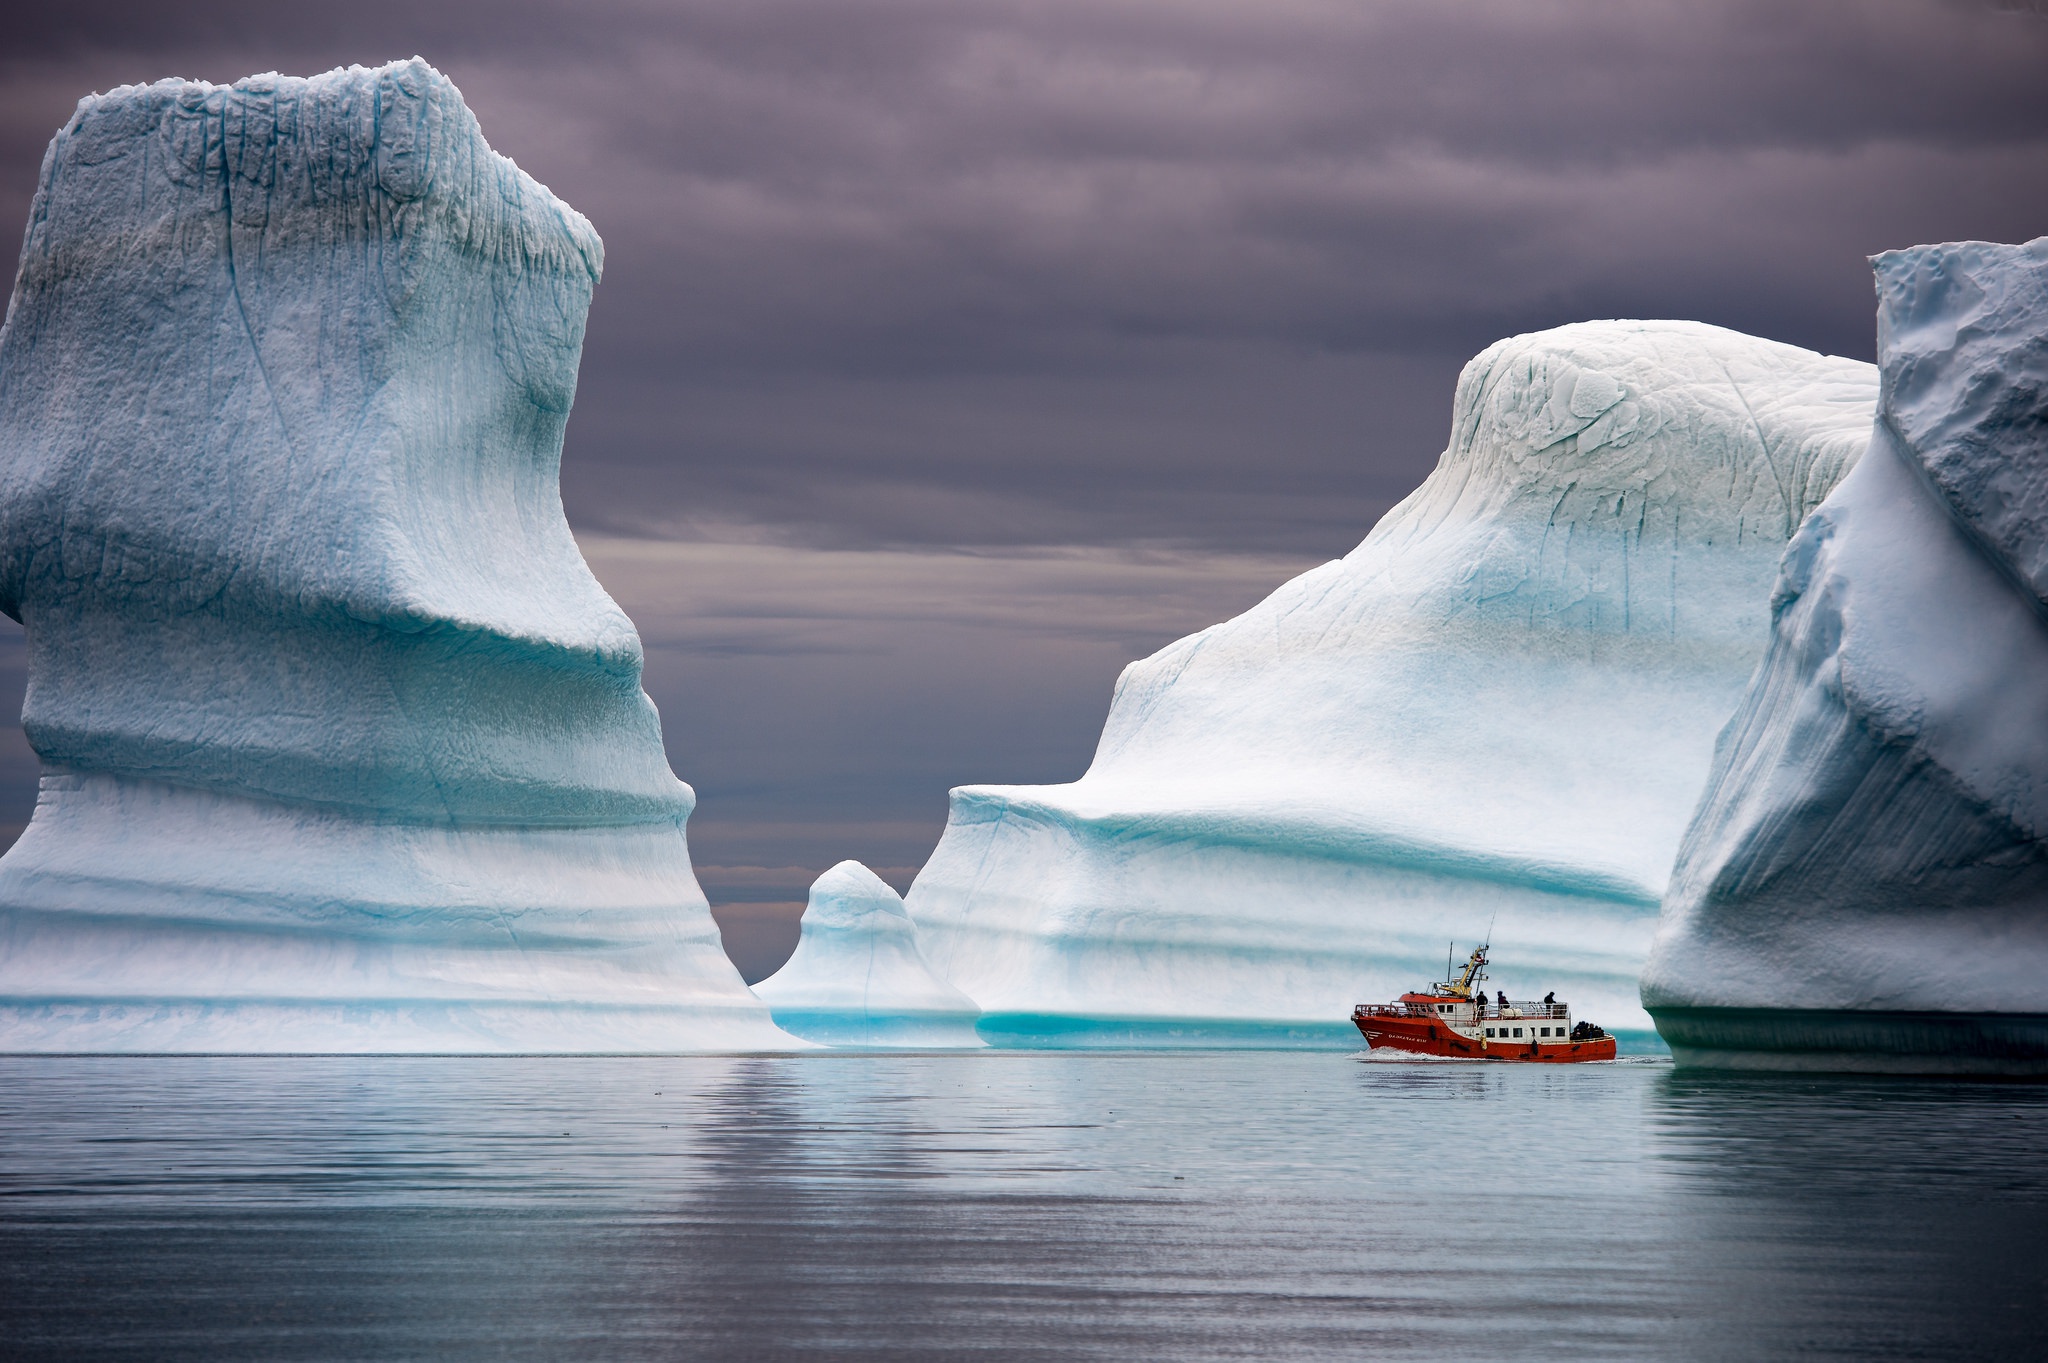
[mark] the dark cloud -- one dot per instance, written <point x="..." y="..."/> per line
<point x="1193" y="276"/>
<point x="895" y="270"/>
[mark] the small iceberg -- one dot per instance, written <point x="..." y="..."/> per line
<point x="857" y="977"/>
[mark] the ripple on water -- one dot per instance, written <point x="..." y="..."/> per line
<point x="1192" y="1205"/>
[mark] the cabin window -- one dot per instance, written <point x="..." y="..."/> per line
<point x="1543" y="1031"/>
<point x="1518" y="1031"/>
<point x="1489" y="1031"/>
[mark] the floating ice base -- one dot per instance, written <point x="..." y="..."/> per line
<point x="227" y="924"/>
<point x="1856" y="1040"/>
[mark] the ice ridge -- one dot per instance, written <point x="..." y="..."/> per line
<point x="344" y="746"/>
<point x="1865" y="883"/>
<point x="1502" y="703"/>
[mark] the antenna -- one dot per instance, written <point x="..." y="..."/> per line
<point x="1450" y="952"/>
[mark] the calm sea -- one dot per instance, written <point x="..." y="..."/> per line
<point x="1180" y="1205"/>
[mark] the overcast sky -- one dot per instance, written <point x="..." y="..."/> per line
<point x="950" y="355"/>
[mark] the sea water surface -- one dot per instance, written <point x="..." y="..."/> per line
<point x="1008" y="1205"/>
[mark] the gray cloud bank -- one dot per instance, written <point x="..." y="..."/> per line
<point x="1008" y="296"/>
<point x="1080" y="271"/>
<point x="823" y="700"/>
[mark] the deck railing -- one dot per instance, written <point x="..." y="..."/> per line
<point x="1518" y="1010"/>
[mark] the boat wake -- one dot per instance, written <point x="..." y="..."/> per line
<point x="1393" y="1057"/>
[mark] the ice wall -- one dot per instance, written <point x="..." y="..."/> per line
<point x="1502" y="703"/>
<point x="857" y="977"/>
<point x="1865" y="884"/>
<point x="344" y="747"/>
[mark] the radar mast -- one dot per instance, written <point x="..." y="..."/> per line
<point x="1473" y="972"/>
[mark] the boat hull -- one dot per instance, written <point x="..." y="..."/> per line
<point x="1426" y="1036"/>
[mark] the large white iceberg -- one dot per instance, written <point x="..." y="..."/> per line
<point x="857" y="977"/>
<point x="1866" y="883"/>
<point x="345" y="748"/>
<point x="1500" y="706"/>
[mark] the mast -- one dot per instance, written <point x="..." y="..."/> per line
<point x="1471" y="974"/>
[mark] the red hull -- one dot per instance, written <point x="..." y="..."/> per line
<point x="1427" y="1036"/>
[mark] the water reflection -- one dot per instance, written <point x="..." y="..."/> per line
<point x="1186" y="1205"/>
<point x="1857" y="1217"/>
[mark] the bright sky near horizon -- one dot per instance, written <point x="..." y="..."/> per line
<point x="950" y="356"/>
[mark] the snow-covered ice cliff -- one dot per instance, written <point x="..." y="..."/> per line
<point x="344" y="747"/>
<point x="1865" y="884"/>
<point x="1501" y="704"/>
<point x="857" y="977"/>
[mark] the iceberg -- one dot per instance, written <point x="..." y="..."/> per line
<point x="344" y="747"/>
<point x="1865" y="884"/>
<point x="857" y="977"/>
<point x="1500" y="706"/>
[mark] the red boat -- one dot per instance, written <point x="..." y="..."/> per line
<point x="1453" y="1020"/>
